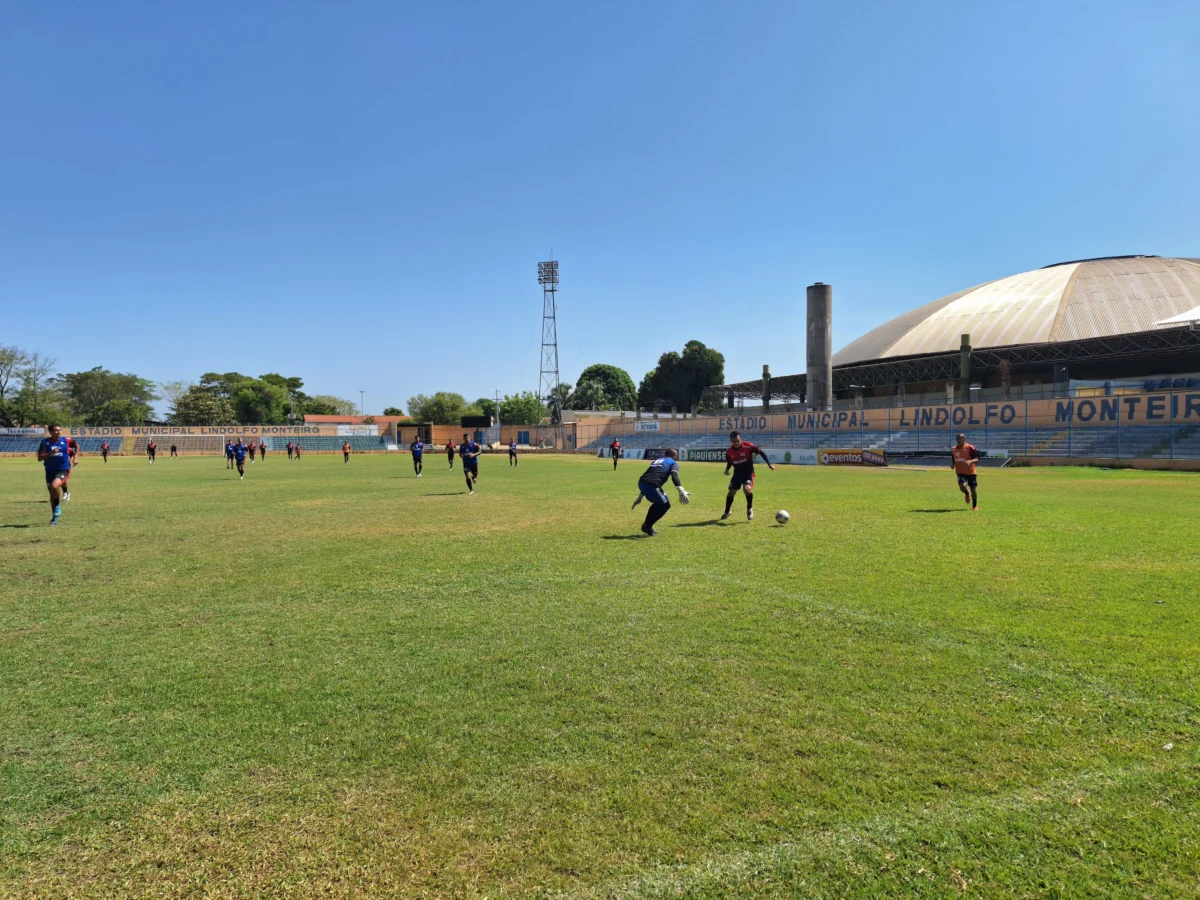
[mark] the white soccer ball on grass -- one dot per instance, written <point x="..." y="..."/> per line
<point x="782" y="517"/>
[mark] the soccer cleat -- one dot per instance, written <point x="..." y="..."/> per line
<point x="54" y="520"/>
<point x="974" y="509"/>
<point x="966" y="498"/>
<point x="724" y="515"/>
<point x="749" y="515"/>
<point x="648" y="531"/>
<point x="66" y="496"/>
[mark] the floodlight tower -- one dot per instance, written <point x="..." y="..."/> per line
<point x="548" y="384"/>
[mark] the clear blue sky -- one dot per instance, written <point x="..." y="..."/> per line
<point x="359" y="193"/>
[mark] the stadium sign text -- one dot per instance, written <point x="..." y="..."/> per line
<point x="184" y="430"/>
<point x="1133" y="408"/>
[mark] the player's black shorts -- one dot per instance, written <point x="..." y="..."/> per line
<point x="57" y="473"/>
<point x="968" y="480"/>
<point x="471" y="465"/>
<point x="738" y="480"/>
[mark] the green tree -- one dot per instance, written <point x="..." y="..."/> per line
<point x="522" y="409"/>
<point x="619" y="390"/>
<point x="679" y="380"/>
<point x="98" y="396"/>
<point x="200" y="407"/>
<point x="12" y="360"/>
<point x="589" y="395"/>
<point x="443" y="408"/>
<point x="558" y="400"/>
<point x="330" y="406"/>
<point x="393" y="411"/>
<point x="37" y="401"/>
<point x="260" y="403"/>
<point x="121" y="411"/>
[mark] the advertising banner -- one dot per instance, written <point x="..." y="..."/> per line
<point x="839" y="457"/>
<point x="851" y="458"/>
<point x="779" y="456"/>
<point x="787" y="456"/>
<point x="646" y="425"/>
<point x="358" y="430"/>
<point x="874" y="458"/>
<point x="22" y="431"/>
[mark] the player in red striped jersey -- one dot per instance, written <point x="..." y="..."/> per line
<point x="740" y="457"/>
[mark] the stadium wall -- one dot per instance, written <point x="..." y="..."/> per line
<point x="1161" y="426"/>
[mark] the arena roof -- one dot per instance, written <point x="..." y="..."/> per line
<point x="1070" y="301"/>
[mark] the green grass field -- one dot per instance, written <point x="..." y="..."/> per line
<point x="333" y="680"/>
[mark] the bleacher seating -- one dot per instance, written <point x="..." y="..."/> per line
<point x="358" y="443"/>
<point x="19" y="443"/>
<point x="187" y="443"/>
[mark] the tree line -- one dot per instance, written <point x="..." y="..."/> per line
<point x="685" y="382"/>
<point x="32" y="392"/>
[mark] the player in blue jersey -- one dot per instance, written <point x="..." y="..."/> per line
<point x="55" y="454"/>
<point x="468" y="452"/>
<point x="229" y="454"/>
<point x="650" y="486"/>
<point x="417" y="449"/>
<point x="512" y="453"/>
<point x="239" y="456"/>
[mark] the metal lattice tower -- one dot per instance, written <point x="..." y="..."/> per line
<point x="548" y="382"/>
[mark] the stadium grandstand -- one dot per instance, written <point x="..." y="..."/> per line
<point x="1117" y="324"/>
<point x="1095" y="359"/>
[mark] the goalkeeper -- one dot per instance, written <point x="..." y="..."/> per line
<point x="650" y="486"/>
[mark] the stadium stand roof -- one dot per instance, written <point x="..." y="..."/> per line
<point x="1071" y="301"/>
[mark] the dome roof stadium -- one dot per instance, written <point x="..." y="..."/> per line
<point x="1069" y="301"/>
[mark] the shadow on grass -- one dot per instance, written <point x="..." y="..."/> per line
<point x="625" y="537"/>
<point x="450" y="494"/>
<point x="700" y="524"/>
<point x="16" y="526"/>
<point x="956" y="510"/>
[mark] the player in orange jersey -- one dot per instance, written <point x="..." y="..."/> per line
<point x="963" y="456"/>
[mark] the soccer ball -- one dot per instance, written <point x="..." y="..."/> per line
<point x="782" y="517"/>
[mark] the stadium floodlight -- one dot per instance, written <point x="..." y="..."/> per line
<point x="548" y="273"/>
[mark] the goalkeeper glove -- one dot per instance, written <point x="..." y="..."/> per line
<point x="684" y="497"/>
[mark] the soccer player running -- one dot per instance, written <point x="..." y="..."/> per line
<point x="55" y="455"/>
<point x="417" y="449"/>
<point x="450" y="452"/>
<point x="614" y="450"/>
<point x="239" y="456"/>
<point x="151" y="451"/>
<point x="512" y="454"/>
<point x="740" y="457"/>
<point x="253" y="448"/>
<point x="962" y="457"/>
<point x="297" y="457"/>
<point x="104" y="448"/>
<point x="262" y="449"/>
<point x="345" y="451"/>
<point x="650" y="486"/>
<point x="468" y="452"/>
<point x="229" y="454"/>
